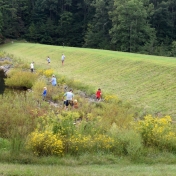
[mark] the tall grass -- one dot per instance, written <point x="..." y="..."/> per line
<point x="18" y="118"/>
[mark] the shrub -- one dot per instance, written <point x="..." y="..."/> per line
<point x="158" y="132"/>
<point x="18" y="114"/>
<point x="37" y="88"/>
<point x="116" y="113"/>
<point x="126" y="141"/>
<point x="6" y="62"/>
<point x="48" y="73"/>
<point x="110" y="98"/>
<point x="57" y="97"/>
<point x="79" y="144"/>
<point x="45" y="143"/>
<point x="62" y="80"/>
<point x="17" y="79"/>
<point x="65" y="126"/>
<point x="4" y="144"/>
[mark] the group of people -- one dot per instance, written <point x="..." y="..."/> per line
<point x="48" y="61"/>
<point x="62" y="59"/>
<point x="69" y="96"/>
<point x="69" y="100"/>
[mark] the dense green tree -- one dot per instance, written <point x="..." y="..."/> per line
<point x="97" y="35"/>
<point x="162" y="22"/>
<point x="15" y="12"/>
<point x="130" y="29"/>
<point x="145" y="26"/>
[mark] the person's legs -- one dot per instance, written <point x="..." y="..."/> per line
<point x="44" y="97"/>
<point x="66" y="104"/>
<point x="71" y="103"/>
<point x="98" y="98"/>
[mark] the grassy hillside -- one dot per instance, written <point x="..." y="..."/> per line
<point x="148" y="82"/>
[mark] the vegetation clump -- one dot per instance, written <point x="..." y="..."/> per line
<point x="20" y="79"/>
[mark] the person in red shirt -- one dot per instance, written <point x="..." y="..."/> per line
<point x="98" y="94"/>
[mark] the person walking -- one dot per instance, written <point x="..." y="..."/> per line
<point x="44" y="93"/>
<point x="49" y="60"/>
<point x="98" y="94"/>
<point x="32" y="67"/>
<point x="69" y="98"/>
<point x="62" y="59"/>
<point x="53" y="81"/>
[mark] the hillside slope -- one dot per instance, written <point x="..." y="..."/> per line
<point x="149" y="82"/>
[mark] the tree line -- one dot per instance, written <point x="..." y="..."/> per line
<point x="138" y="26"/>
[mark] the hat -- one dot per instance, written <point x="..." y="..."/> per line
<point x="53" y="75"/>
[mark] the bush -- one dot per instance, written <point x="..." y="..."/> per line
<point x="126" y="141"/>
<point x="45" y="143"/>
<point x="20" y="79"/>
<point x="37" y="88"/>
<point x="157" y="132"/>
<point x="48" y="73"/>
<point x="18" y="115"/>
<point x="6" y="62"/>
<point x="110" y="98"/>
<point x="79" y="144"/>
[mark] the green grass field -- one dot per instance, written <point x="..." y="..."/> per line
<point x="148" y="82"/>
<point x="87" y="170"/>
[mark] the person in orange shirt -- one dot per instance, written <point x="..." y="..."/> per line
<point x="75" y="104"/>
<point x="98" y="94"/>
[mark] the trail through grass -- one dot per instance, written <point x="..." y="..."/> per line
<point x="148" y="82"/>
<point x="88" y="170"/>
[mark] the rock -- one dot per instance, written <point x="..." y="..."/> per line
<point x="6" y="67"/>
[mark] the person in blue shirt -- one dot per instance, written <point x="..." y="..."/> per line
<point x="53" y="81"/>
<point x="44" y="93"/>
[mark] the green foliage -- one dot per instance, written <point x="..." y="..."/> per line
<point x="130" y="29"/>
<point x="17" y="79"/>
<point x="37" y="88"/>
<point x="4" y="144"/>
<point x="80" y="86"/>
<point x="45" y="143"/>
<point x="127" y="141"/>
<point x="48" y="73"/>
<point x="157" y="132"/>
<point x="6" y="62"/>
<point x="18" y="115"/>
<point x="2" y="55"/>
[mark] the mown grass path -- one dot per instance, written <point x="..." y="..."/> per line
<point x="88" y="170"/>
<point x="148" y="82"/>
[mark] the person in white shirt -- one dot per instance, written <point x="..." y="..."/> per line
<point x="62" y="59"/>
<point x="49" y="60"/>
<point x="32" y="67"/>
<point x="69" y="98"/>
